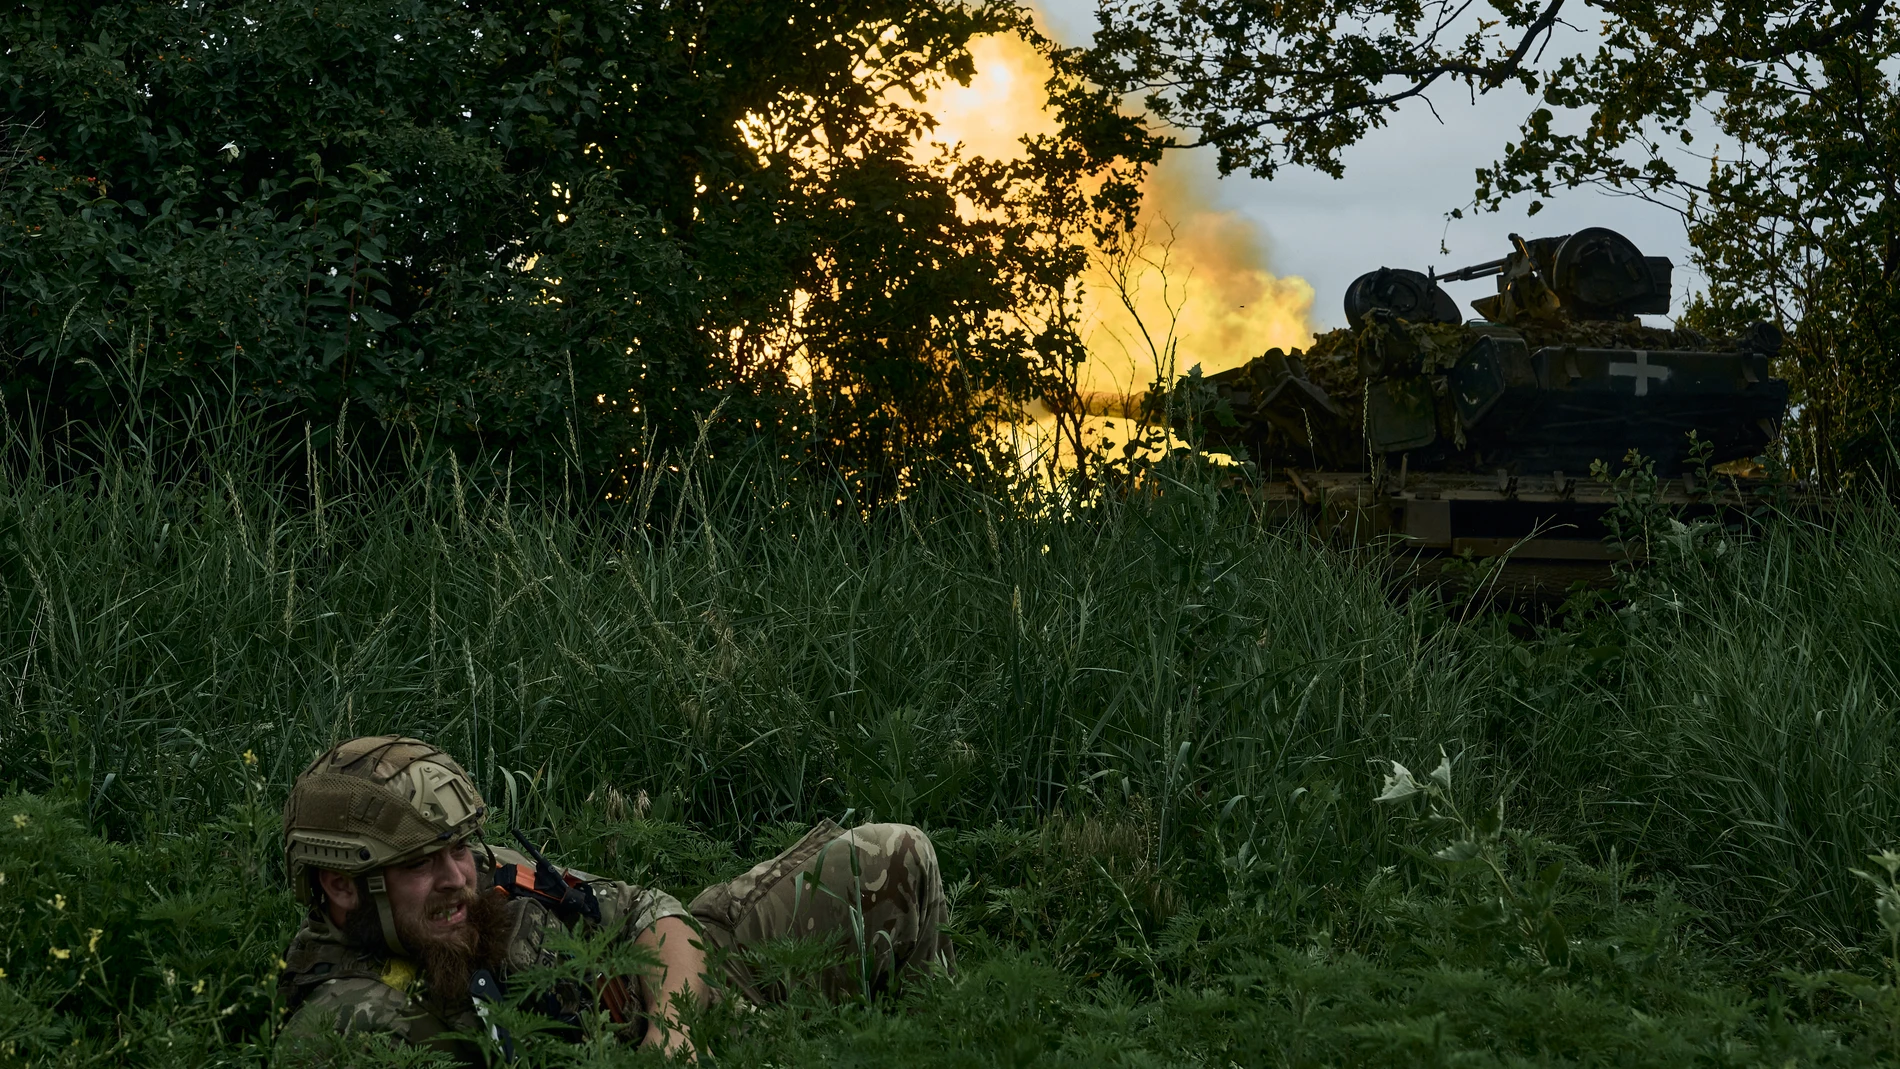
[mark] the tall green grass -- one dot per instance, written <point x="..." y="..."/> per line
<point x="1121" y="722"/>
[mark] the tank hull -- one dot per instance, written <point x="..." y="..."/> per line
<point x="1552" y="531"/>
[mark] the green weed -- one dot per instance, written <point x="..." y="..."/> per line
<point x="1148" y="736"/>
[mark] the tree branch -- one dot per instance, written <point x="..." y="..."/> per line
<point x="1489" y="76"/>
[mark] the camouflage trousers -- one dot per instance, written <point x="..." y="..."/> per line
<point x="871" y="899"/>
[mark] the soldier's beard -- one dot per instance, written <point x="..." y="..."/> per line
<point x="448" y="958"/>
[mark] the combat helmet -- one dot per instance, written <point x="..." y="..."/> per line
<point x="372" y="802"/>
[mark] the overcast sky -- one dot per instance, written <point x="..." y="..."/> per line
<point x="1389" y="209"/>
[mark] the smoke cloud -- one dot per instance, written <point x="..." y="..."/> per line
<point x="1201" y="288"/>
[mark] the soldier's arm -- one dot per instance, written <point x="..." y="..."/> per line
<point x="682" y="973"/>
<point x="659" y="922"/>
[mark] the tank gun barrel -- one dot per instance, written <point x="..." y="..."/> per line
<point x="1489" y="267"/>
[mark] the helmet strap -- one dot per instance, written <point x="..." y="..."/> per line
<point x="379" y="890"/>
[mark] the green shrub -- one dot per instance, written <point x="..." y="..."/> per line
<point x="155" y="953"/>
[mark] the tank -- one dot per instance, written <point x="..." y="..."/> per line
<point x="1417" y="427"/>
<point x="1556" y="372"/>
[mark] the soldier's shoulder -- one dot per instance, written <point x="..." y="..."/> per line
<point x="350" y="1004"/>
<point x="343" y="1022"/>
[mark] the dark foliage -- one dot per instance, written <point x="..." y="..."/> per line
<point x="566" y="235"/>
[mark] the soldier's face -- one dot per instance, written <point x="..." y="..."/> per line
<point x="430" y="897"/>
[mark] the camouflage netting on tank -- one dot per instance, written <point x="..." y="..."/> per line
<point x="1336" y="359"/>
<point x="1604" y="334"/>
<point x="1333" y="361"/>
<point x="1339" y="360"/>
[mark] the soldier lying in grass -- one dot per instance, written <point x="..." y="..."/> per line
<point x="415" y="921"/>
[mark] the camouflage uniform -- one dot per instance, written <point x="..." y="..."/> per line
<point x="874" y="892"/>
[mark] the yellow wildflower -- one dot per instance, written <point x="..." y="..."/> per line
<point x="59" y="954"/>
<point x="19" y="820"/>
<point x="92" y="943"/>
<point x="59" y="902"/>
<point x="198" y="988"/>
<point x="250" y="758"/>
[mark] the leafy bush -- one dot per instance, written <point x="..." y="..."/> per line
<point x="157" y="953"/>
<point x="563" y="236"/>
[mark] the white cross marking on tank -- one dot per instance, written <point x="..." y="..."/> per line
<point x="1642" y="372"/>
